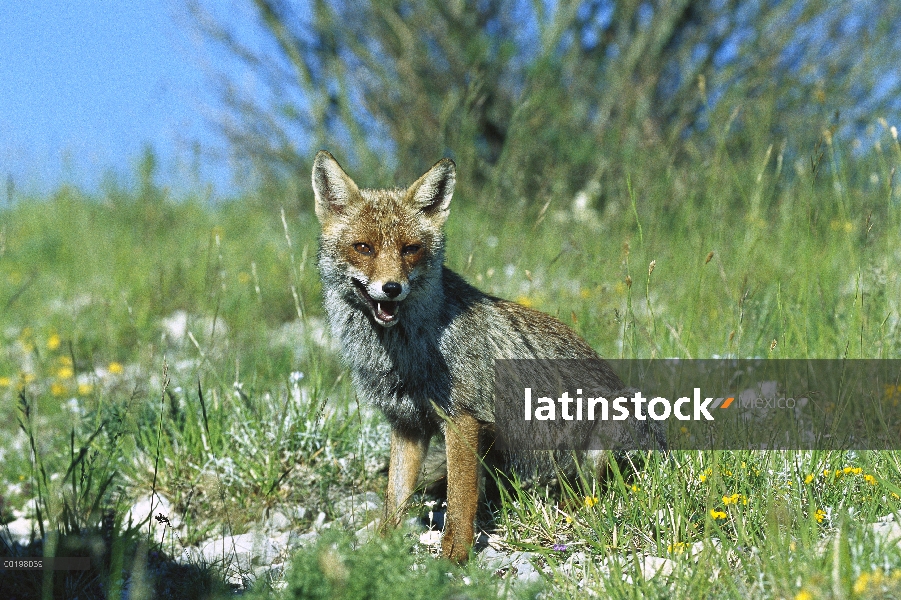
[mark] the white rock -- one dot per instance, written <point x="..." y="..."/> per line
<point x="144" y="510"/>
<point x="492" y="558"/>
<point x="278" y="521"/>
<point x="281" y="540"/>
<point x="364" y="534"/>
<point x="190" y="556"/>
<point x="525" y="569"/>
<point x="270" y="573"/>
<point x="296" y="541"/>
<point x="242" y="551"/>
<point x="651" y="566"/>
<point x="889" y="531"/>
<point x="695" y="549"/>
<point x="520" y="563"/>
<point x="19" y="530"/>
<point x="353" y="509"/>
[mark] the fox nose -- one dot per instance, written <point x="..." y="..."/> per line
<point x="392" y="288"/>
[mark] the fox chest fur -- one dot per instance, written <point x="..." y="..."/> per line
<point x="422" y="363"/>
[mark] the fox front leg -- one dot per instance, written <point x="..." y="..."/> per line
<point x="462" y="440"/>
<point x="407" y="454"/>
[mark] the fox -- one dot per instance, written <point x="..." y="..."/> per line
<point x="419" y="341"/>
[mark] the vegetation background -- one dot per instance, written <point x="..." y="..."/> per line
<point x="673" y="178"/>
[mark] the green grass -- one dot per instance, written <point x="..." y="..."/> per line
<point x="758" y="257"/>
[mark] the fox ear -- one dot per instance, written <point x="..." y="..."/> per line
<point x="333" y="188"/>
<point x="432" y="192"/>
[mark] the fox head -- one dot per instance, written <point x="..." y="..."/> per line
<point x="381" y="250"/>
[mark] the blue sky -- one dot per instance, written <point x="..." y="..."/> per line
<point x="85" y="85"/>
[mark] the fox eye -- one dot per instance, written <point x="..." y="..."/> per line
<point x="363" y="248"/>
<point x="410" y="249"/>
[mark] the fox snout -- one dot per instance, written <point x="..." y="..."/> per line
<point x="387" y="290"/>
<point x="393" y="289"/>
<point x="384" y="299"/>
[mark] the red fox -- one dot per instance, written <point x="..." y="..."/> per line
<point x="421" y="342"/>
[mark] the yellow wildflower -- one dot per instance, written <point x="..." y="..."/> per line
<point x="870" y="479"/>
<point x="819" y="515"/>
<point x="57" y="389"/>
<point x="5" y="381"/>
<point x="590" y="501"/>
<point x="808" y="479"/>
<point x="733" y="499"/>
<point x="65" y="372"/>
<point x="865" y="579"/>
<point x="84" y="389"/>
<point x="677" y="548"/>
<point x="803" y="595"/>
<point x="53" y="342"/>
<point x="115" y="368"/>
<point x="717" y="514"/>
<point x="860" y="586"/>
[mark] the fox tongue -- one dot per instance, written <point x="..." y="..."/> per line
<point x="386" y="310"/>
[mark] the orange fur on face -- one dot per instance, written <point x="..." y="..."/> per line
<point x="388" y="237"/>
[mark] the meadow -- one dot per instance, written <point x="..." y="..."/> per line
<point x="177" y="346"/>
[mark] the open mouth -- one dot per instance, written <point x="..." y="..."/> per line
<point x="384" y="311"/>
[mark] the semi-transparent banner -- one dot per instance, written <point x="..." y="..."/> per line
<point x="698" y="404"/>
